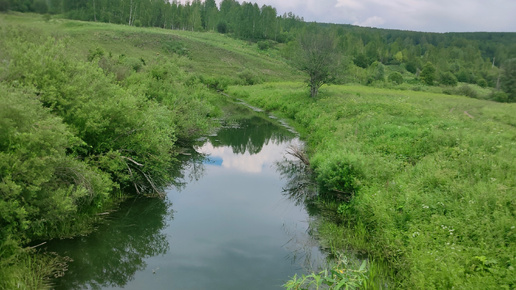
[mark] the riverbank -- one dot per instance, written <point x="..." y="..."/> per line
<point x="423" y="182"/>
<point x="81" y="132"/>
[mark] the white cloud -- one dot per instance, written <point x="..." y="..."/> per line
<point x="421" y="15"/>
<point x="246" y="162"/>
<point x="374" y="21"/>
<point x="350" y="4"/>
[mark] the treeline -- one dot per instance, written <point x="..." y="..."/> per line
<point x="77" y="135"/>
<point x="245" y="20"/>
<point x="443" y="59"/>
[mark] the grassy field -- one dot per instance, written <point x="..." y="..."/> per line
<point x="210" y="55"/>
<point x="431" y="179"/>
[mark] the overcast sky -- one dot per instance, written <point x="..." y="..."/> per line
<point x="418" y="15"/>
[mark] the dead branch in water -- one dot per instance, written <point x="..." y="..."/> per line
<point x="299" y="153"/>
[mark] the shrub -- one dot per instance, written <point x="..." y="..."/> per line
<point x="361" y="60"/>
<point x="448" y="79"/>
<point x="499" y="96"/>
<point x="222" y="27"/>
<point x="264" y="45"/>
<point x="428" y="74"/>
<point x="338" y="175"/>
<point x="481" y="82"/>
<point x="411" y="66"/>
<point x="249" y="78"/>
<point x="396" y="78"/>
<point x="468" y="91"/>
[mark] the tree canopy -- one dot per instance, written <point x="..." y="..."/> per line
<point x="317" y="57"/>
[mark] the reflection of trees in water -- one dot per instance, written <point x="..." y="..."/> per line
<point x="191" y="163"/>
<point x="112" y="255"/>
<point x="301" y="188"/>
<point x="250" y="134"/>
<point x="300" y="185"/>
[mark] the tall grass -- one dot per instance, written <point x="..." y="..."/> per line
<point x="431" y="178"/>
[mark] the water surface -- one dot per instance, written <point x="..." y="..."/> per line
<point x="229" y="227"/>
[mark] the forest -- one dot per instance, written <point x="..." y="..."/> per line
<point x="412" y="145"/>
<point x="366" y="55"/>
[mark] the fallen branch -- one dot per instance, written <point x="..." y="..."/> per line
<point x="467" y="114"/>
<point x="37" y="245"/>
<point x="298" y="153"/>
<point x="131" y="160"/>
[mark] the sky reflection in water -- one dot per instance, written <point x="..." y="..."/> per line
<point x="232" y="228"/>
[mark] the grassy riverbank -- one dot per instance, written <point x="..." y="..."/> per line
<point x="422" y="181"/>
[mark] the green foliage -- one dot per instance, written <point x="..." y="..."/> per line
<point x="396" y="78"/>
<point x="74" y="137"/>
<point x="176" y="47"/>
<point x="31" y="271"/>
<point x="42" y="187"/>
<point x="448" y="79"/>
<point x="40" y="6"/>
<point x="96" y="53"/>
<point x="412" y="66"/>
<point x="4" y="5"/>
<point x="432" y="178"/>
<point x="361" y="60"/>
<point x="248" y="77"/>
<point x="427" y="75"/>
<point x="340" y="276"/>
<point x="316" y="56"/>
<point x="481" y="82"/>
<point x="339" y="177"/>
<point x="499" y="96"/>
<point x="222" y="27"/>
<point x="509" y="79"/>
<point x="264" y="45"/>
<point x="376" y="72"/>
<point x="120" y="130"/>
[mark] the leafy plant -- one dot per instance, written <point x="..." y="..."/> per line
<point x="340" y="276"/>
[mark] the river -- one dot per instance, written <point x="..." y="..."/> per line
<point x="228" y="225"/>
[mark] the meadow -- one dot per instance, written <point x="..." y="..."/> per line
<point x="422" y="182"/>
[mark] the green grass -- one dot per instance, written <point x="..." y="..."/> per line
<point x="432" y="178"/>
<point x="207" y="54"/>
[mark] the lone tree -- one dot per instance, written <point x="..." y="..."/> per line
<point x="317" y="57"/>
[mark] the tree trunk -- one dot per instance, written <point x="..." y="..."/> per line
<point x="94" y="12"/>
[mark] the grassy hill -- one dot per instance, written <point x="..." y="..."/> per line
<point x="207" y="54"/>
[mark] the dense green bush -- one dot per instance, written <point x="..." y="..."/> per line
<point x="448" y="79"/>
<point x="42" y="187"/>
<point x="427" y="75"/>
<point x="120" y="130"/>
<point x="339" y="177"/>
<point x="264" y="44"/>
<point x="75" y="138"/>
<point x="396" y="78"/>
